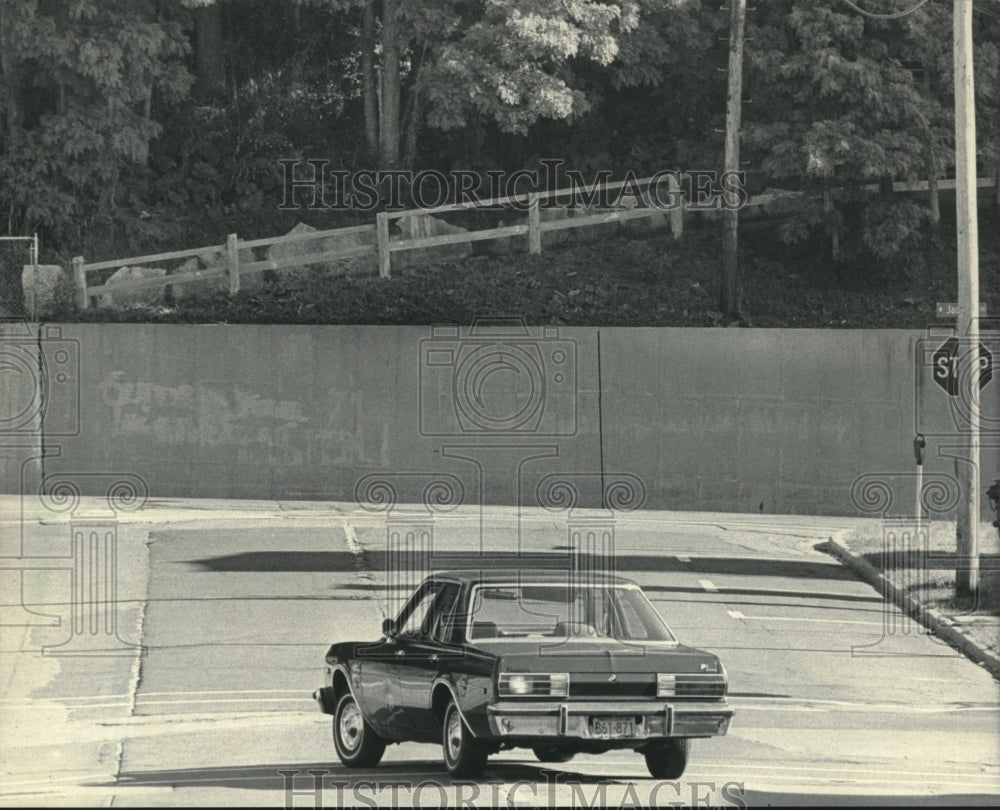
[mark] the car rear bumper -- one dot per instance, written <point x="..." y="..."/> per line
<point x="571" y="720"/>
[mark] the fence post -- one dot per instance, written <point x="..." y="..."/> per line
<point x="382" y="234"/>
<point x="676" y="212"/>
<point x="80" y="282"/>
<point x="233" y="257"/>
<point x="534" y="223"/>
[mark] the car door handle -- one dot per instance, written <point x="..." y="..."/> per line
<point x="399" y="652"/>
<point x="434" y="657"/>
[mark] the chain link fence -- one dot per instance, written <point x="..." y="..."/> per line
<point x="16" y="253"/>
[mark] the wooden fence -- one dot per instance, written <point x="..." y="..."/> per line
<point x="382" y="246"/>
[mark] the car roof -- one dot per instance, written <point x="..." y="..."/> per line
<point x="546" y="575"/>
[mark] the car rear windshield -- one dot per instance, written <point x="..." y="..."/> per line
<point x="561" y="610"/>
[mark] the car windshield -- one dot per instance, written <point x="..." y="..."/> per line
<point x="560" y="610"/>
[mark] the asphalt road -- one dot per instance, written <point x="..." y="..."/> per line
<point x="838" y="698"/>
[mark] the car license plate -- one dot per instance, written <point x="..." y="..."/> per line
<point x="612" y="727"/>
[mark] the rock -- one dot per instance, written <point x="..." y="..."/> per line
<point x="45" y="286"/>
<point x="657" y="220"/>
<point x="507" y="245"/>
<point x="772" y="203"/>
<point x="423" y="225"/>
<point x="563" y="235"/>
<point x="594" y="232"/>
<point x="195" y="288"/>
<point x="366" y="264"/>
<point x="209" y="260"/>
<point x="147" y="296"/>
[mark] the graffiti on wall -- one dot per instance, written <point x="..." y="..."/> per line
<point x="228" y="416"/>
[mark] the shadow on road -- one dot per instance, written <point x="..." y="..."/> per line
<point x="318" y="561"/>
<point x="329" y="777"/>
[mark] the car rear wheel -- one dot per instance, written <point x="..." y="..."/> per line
<point x="358" y="746"/>
<point x="668" y="761"/>
<point x="553" y="754"/>
<point x="464" y="755"/>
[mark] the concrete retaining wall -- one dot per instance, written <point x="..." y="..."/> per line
<point x="706" y="419"/>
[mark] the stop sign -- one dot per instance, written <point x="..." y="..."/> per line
<point x="945" y="363"/>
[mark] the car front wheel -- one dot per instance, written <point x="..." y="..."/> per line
<point x="668" y="761"/>
<point x="464" y="755"/>
<point x="358" y="746"/>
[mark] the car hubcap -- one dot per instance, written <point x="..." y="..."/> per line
<point x="453" y="738"/>
<point x="351" y="726"/>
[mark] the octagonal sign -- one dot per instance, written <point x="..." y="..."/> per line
<point x="945" y="362"/>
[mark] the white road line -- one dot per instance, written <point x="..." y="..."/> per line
<point x="779" y="705"/>
<point x="796" y="619"/>
<point x="142" y="703"/>
<point x="29" y="702"/>
<point x="846" y="784"/>
<point x="707" y="763"/>
<point x="708" y="586"/>
<point x="352" y="539"/>
<point x="802" y="593"/>
<point x="49" y="779"/>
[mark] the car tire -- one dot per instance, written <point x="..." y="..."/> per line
<point x="553" y="754"/>
<point x="464" y="755"/>
<point x="668" y="761"/>
<point x="357" y="744"/>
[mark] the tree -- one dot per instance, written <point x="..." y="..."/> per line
<point x="79" y="78"/>
<point x="838" y="106"/>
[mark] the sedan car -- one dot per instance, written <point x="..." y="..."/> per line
<point x="490" y="660"/>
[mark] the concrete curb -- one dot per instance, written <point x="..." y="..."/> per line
<point x="931" y="618"/>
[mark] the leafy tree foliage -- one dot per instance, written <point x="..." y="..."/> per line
<point x="80" y="78"/>
<point x="849" y="101"/>
<point x="102" y="121"/>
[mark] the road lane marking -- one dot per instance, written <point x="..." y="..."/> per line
<point x="708" y="586"/>
<point x="28" y="701"/>
<point x="881" y="771"/>
<point x="352" y="539"/>
<point x="737" y="615"/>
<point x="807" y="704"/>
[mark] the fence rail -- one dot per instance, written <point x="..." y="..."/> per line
<point x="383" y="245"/>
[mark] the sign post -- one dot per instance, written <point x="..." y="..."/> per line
<point x="967" y="535"/>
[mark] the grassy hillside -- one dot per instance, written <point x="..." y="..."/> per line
<point x="621" y="280"/>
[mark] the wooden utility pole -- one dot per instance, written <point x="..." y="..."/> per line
<point x="967" y="540"/>
<point x="731" y="283"/>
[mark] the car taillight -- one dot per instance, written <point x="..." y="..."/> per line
<point x="691" y="685"/>
<point x="525" y="684"/>
<point x="666" y="685"/>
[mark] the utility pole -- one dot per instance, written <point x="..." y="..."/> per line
<point x="731" y="283"/>
<point x="967" y="539"/>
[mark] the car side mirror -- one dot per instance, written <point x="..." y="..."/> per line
<point x="389" y="628"/>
